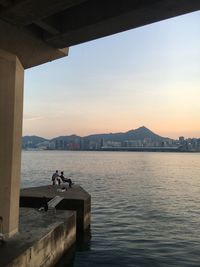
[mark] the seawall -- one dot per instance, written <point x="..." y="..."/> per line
<point x="45" y="236"/>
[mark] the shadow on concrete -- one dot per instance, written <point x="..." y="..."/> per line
<point x="82" y="244"/>
<point x="67" y="259"/>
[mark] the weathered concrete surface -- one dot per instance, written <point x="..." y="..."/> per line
<point x="42" y="239"/>
<point x="75" y="198"/>
<point x="11" y="106"/>
<point x="30" y="50"/>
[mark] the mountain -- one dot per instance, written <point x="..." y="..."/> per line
<point x="140" y="133"/>
<point x="32" y="141"/>
<point x="143" y="133"/>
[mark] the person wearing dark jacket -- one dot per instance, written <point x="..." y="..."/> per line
<point x="68" y="180"/>
<point x="55" y="177"/>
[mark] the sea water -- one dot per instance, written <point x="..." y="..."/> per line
<point x="145" y="205"/>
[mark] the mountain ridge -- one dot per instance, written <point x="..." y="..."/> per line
<point x="140" y="133"/>
<point x="134" y="134"/>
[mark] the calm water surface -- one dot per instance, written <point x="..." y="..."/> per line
<point x="145" y="206"/>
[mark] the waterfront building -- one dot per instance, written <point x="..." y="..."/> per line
<point x="181" y="139"/>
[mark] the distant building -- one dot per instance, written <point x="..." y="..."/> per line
<point x="112" y="144"/>
<point x="181" y="139"/>
<point x="52" y="145"/>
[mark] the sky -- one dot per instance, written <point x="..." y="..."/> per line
<point x="149" y="76"/>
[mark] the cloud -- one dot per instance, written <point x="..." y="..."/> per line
<point x="28" y="117"/>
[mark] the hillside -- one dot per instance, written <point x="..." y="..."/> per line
<point x="32" y="141"/>
<point x="140" y="133"/>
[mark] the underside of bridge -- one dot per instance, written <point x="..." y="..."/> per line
<point x="33" y="32"/>
<point x="40" y="30"/>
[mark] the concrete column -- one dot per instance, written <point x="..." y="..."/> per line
<point x="11" y="109"/>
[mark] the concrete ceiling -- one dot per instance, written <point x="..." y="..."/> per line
<point x="38" y="31"/>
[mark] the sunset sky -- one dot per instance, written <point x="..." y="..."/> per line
<point x="146" y="76"/>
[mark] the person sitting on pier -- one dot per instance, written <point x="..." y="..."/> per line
<point x="68" y="180"/>
<point x="56" y="177"/>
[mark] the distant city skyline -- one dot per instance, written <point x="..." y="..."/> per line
<point x="140" y="139"/>
<point x="146" y="76"/>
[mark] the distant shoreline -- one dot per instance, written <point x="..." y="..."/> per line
<point x="117" y="150"/>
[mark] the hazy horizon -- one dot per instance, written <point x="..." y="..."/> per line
<point x="146" y="76"/>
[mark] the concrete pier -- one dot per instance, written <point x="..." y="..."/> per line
<point x="75" y="198"/>
<point x="42" y="239"/>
